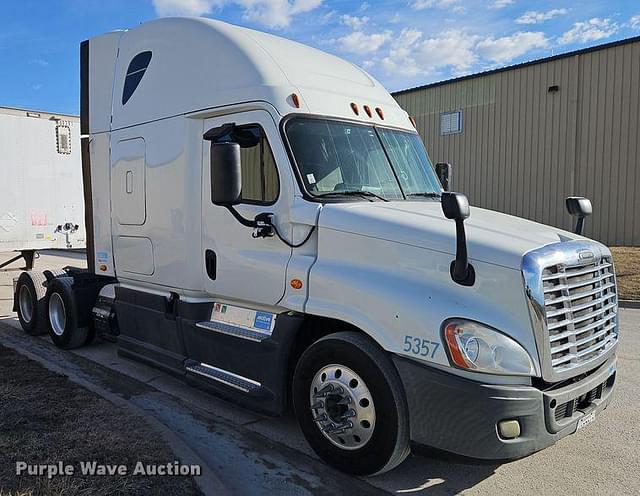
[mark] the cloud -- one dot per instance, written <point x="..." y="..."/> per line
<point x="36" y="86"/>
<point x="410" y="55"/>
<point x="361" y="43"/>
<point x="185" y="7"/>
<point x="507" y="48"/>
<point x="427" y="4"/>
<point x="276" y="13"/>
<point x="270" y="13"/>
<point x="591" y="30"/>
<point x="635" y="22"/>
<point x="534" y="17"/>
<point x="354" y="22"/>
<point x="40" y="62"/>
<point x="500" y="4"/>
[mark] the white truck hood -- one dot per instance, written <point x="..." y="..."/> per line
<point x="492" y="237"/>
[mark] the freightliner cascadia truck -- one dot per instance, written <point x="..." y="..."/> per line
<point x="263" y="221"/>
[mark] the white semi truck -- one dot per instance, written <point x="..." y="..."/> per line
<point x="264" y="221"/>
<point x="41" y="199"/>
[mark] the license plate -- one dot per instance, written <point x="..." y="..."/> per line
<point x="586" y="420"/>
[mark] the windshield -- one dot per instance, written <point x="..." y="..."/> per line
<point x="344" y="159"/>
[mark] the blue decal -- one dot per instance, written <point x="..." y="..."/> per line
<point x="263" y="321"/>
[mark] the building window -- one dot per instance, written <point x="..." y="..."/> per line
<point x="260" y="182"/>
<point x="63" y="139"/>
<point x="451" y="122"/>
<point x="135" y="71"/>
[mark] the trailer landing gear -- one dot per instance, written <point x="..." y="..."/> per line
<point x="28" y="255"/>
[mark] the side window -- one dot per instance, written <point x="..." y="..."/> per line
<point x="260" y="183"/>
<point x="135" y="71"/>
<point x="63" y="139"/>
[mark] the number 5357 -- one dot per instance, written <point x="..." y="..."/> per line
<point x="419" y="346"/>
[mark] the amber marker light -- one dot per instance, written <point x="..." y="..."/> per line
<point x="367" y="110"/>
<point x="457" y="355"/>
<point x="296" y="283"/>
<point x="413" y="121"/>
<point x="380" y="113"/>
<point x="103" y="268"/>
<point x="296" y="100"/>
<point x="354" y="107"/>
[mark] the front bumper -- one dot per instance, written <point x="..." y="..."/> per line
<point x="455" y="414"/>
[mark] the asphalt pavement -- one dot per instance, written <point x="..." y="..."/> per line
<point x="252" y="454"/>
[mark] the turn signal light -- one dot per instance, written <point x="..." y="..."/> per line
<point x="296" y="283"/>
<point x="456" y="353"/>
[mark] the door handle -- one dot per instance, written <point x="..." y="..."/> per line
<point x="210" y="262"/>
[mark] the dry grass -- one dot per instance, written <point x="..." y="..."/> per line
<point x="45" y="418"/>
<point x="627" y="260"/>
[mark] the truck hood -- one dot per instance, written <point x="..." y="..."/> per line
<point x="492" y="237"/>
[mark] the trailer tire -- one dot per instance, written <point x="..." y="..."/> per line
<point x="62" y="315"/>
<point x="364" y="378"/>
<point x="30" y="302"/>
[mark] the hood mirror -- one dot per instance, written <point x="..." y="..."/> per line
<point x="456" y="206"/>
<point x="579" y="207"/>
<point x="443" y="171"/>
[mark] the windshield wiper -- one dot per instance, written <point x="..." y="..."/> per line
<point x="426" y="194"/>
<point x="355" y="192"/>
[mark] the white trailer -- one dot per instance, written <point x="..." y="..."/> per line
<point x="41" y="197"/>
<point x="264" y="222"/>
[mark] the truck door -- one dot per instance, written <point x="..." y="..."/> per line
<point x="237" y="266"/>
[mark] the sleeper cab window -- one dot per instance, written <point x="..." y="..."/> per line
<point x="135" y="71"/>
<point x="260" y="182"/>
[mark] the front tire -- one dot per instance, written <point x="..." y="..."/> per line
<point x="350" y="404"/>
<point x="62" y="315"/>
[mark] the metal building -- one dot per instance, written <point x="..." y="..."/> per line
<point x="522" y="138"/>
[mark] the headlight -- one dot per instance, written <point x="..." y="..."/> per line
<point x="479" y="348"/>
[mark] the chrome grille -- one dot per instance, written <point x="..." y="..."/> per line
<point x="580" y="307"/>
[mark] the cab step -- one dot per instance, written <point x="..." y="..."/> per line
<point x="223" y="376"/>
<point x="231" y="330"/>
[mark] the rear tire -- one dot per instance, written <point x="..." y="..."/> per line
<point x="360" y="375"/>
<point x="30" y="302"/>
<point x="62" y="315"/>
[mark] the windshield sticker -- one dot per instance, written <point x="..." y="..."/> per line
<point x="311" y="179"/>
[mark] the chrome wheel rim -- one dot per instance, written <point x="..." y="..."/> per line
<point x="57" y="316"/>
<point x="342" y="407"/>
<point x="25" y="301"/>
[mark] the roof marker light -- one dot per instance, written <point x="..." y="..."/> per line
<point x="367" y="109"/>
<point x="413" y="121"/>
<point x="354" y="107"/>
<point x="380" y="113"/>
<point x="295" y="99"/>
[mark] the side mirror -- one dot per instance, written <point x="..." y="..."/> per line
<point x="579" y="207"/>
<point x="443" y="170"/>
<point x="226" y="174"/>
<point x="456" y="206"/>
